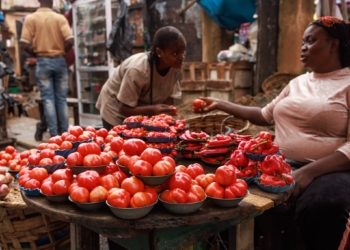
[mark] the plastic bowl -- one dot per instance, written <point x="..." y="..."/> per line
<point x="225" y="202"/>
<point x="79" y="169"/>
<point x="50" y="168"/>
<point x="184" y="208"/>
<point x="153" y="180"/>
<point x="31" y="192"/>
<point x="56" y="198"/>
<point x="274" y="189"/>
<point x="89" y="206"/>
<point x="130" y="213"/>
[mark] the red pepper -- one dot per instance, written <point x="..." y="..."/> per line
<point x="288" y="178"/>
<point x="272" y="180"/>
<point x="212" y="151"/>
<point x="265" y="135"/>
<point x="271" y="148"/>
<point x="239" y="159"/>
<point x="254" y="146"/>
<point x="241" y="145"/>
<point x="250" y="171"/>
<point x="221" y="137"/>
<point x="218" y="142"/>
<point x="272" y="164"/>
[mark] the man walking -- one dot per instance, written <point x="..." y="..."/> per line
<point x="47" y="35"/>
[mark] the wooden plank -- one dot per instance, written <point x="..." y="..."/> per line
<point x="245" y="235"/>
<point x="83" y="238"/>
<point x="259" y="202"/>
<point x="193" y="85"/>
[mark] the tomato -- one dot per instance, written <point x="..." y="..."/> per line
<point x="72" y="186"/>
<point x="56" y="139"/>
<point x="206" y="180"/>
<point x="24" y="171"/>
<point x="102" y="132"/>
<point x="10" y="149"/>
<point x="178" y="195"/>
<point x="32" y="184"/>
<point x="47" y="153"/>
<point x="42" y="145"/>
<point x="25" y="154"/>
<point x="76" y="131"/>
<point x="106" y="158"/>
<point x="194" y="170"/>
<point x="6" y="156"/>
<point x="195" y="193"/>
<point x="134" y="146"/>
<point x="119" y="198"/>
<point x="61" y="187"/>
<point x="132" y="185"/>
<point x="180" y="168"/>
<point x="225" y="175"/>
<point x="66" y="145"/>
<point x="92" y="160"/>
<point x="199" y="178"/>
<point x="57" y="159"/>
<point x="39" y="174"/>
<point x="3" y="162"/>
<point x="162" y="168"/>
<point x="86" y="148"/>
<point x="64" y="135"/>
<point x="47" y="188"/>
<point x="74" y="159"/>
<point x="90" y="128"/>
<point x="97" y="194"/>
<point x="90" y="134"/>
<point x="198" y="103"/>
<point x="34" y="159"/>
<point x="180" y="180"/>
<point x="235" y="190"/>
<point x="23" y="162"/>
<point x="120" y="175"/>
<point x="132" y="161"/>
<point x="110" y="169"/>
<point x="170" y="160"/>
<point x="89" y="179"/>
<point x="80" y="194"/>
<point x="47" y="179"/>
<point x="45" y="161"/>
<point x="215" y="190"/>
<point x="23" y="179"/>
<point x="153" y="195"/>
<point x="62" y="174"/>
<point x="109" y="181"/>
<point x="142" y="167"/>
<point x="108" y="138"/>
<point x="53" y="146"/>
<point x="117" y="144"/>
<point x="99" y="140"/>
<point x="71" y="138"/>
<point x="151" y="155"/>
<point x="165" y="196"/>
<point x="140" y="199"/>
<point x="83" y="137"/>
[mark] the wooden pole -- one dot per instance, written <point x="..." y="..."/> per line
<point x="211" y="39"/>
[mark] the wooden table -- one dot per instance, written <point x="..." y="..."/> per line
<point x="160" y="229"/>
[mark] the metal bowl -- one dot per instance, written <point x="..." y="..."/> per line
<point x="125" y="169"/>
<point x="153" y="180"/>
<point x="2" y="196"/>
<point x="225" y="202"/>
<point x="131" y="213"/>
<point x="79" y="169"/>
<point x="89" y="206"/>
<point x="184" y="208"/>
<point x="56" y="198"/>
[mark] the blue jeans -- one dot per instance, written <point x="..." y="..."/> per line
<point x="52" y="79"/>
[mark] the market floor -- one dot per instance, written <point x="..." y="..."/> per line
<point x="22" y="129"/>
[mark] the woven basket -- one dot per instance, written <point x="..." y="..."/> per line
<point x="24" y="228"/>
<point x="217" y="124"/>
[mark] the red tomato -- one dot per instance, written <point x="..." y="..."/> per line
<point x="23" y="179"/>
<point x="62" y="174"/>
<point x="52" y="146"/>
<point x="45" y="161"/>
<point x="142" y="167"/>
<point x="47" y="153"/>
<point x="215" y="190"/>
<point x="111" y="191"/>
<point x="24" y="154"/>
<point x="87" y="148"/>
<point x="178" y="195"/>
<point x="153" y="195"/>
<point x="99" y="140"/>
<point x="74" y="159"/>
<point x="76" y="131"/>
<point x="90" y="128"/>
<point x="112" y="153"/>
<point x="47" y="188"/>
<point x="92" y="160"/>
<point x="110" y="169"/>
<point x="119" y="198"/>
<point x="32" y="184"/>
<point x="117" y="144"/>
<point x="106" y="158"/>
<point x="42" y="146"/>
<point x="71" y="138"/>
<point x="56" y="139"/>
<point x="180" y="168"/>
<point x="134" y="146"/>
<point x="23" y="162"/>
<point x="64" y="135"/>
<point x="120" y="175"/>
<point x="195" y="194"/>
<point x="151" y="155"/>
<point x="225" y="175"/>
<point x="199" y="178"/>
<point x="140" y="199"/>
<point x="34" y="159"/>
<point x="180" y="180"/>
<point x="6" y="156"/>
<point x="66" y="145"/>
<point x="133" y="159"/>
<point x="57" y="159"/>
<point x="170" y="160"/>
<point x="206" y="180"/>
<point x="194" y="170"/>
<point x="72" y="186"/>
<point x="10" y="149"/>
<point x="102" y="132"/>
<point x="39" y="174"/>
<point x="162" y="168"/>
<point x="108" y="138"/>
<point x="24" y="171"/>
<point x="235" y="190"/>
<point x="132" y="185"/>
<point x="90" y="134"/>
<point x="61" y="187"/>
<point x="3" y="162"/>
<point x="109" y="181"/>
<point x="198" y="103"/>
<point x="83" y="137"/>
<point x="89" y="179"/>
<point x="97" y="194"/>
<point x="80" y="194"/>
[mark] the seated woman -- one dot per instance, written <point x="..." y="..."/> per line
<point x="311" y="117"/>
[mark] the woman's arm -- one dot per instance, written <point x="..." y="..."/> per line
<point x="253" y="114"/>
<point x="145" y="110"/>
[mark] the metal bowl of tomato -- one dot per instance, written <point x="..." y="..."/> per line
<point x="89" y="206"/>
<point x="56" y="198"/>
<point x="153" y="180"/>
<point x="227" y="202"/>
<point x="79" y="169"/>
<point x="131" y="213"/>
<point x="182" y="208"/>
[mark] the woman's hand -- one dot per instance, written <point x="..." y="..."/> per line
<point x="302" y="181"/>
<point x="210" y="104"/>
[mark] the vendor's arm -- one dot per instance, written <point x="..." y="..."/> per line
<point x="145" y="110"/>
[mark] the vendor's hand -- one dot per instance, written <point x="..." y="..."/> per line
<point x="163" y="108"/>
<point x="302" y="181"/>
<point x="210" y="104"/>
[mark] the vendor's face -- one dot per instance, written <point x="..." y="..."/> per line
<point x="174" y="55"/>
<point x="316" y="49"/>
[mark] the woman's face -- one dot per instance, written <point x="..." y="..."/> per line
<point x="316" y="49"/>
<point x="173" y="55"/>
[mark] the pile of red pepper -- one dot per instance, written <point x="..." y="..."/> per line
<point x="261" y="145"/>
<point x="244" y="167"/>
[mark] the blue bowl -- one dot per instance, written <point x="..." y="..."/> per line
<point x="156" y="139"/>
<point x="31" y="192"/>
<point x="248" y="180"/>
<point x="50" y="168"/>
<point x="77" y="143"/>
<point x="153" y="128"/>
<point x="133" y="124"/>
<point x="258" y="157"/>
<point x="274" y="189"/>
<point x="65" y="152"/>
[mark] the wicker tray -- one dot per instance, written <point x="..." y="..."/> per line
<point x="23" y="228"/>
<point x="217" y="124"/>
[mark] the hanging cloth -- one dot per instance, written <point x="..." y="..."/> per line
<point x="229" y="14"/>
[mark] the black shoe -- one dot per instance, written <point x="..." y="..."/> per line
<point x="38" y="133"/>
